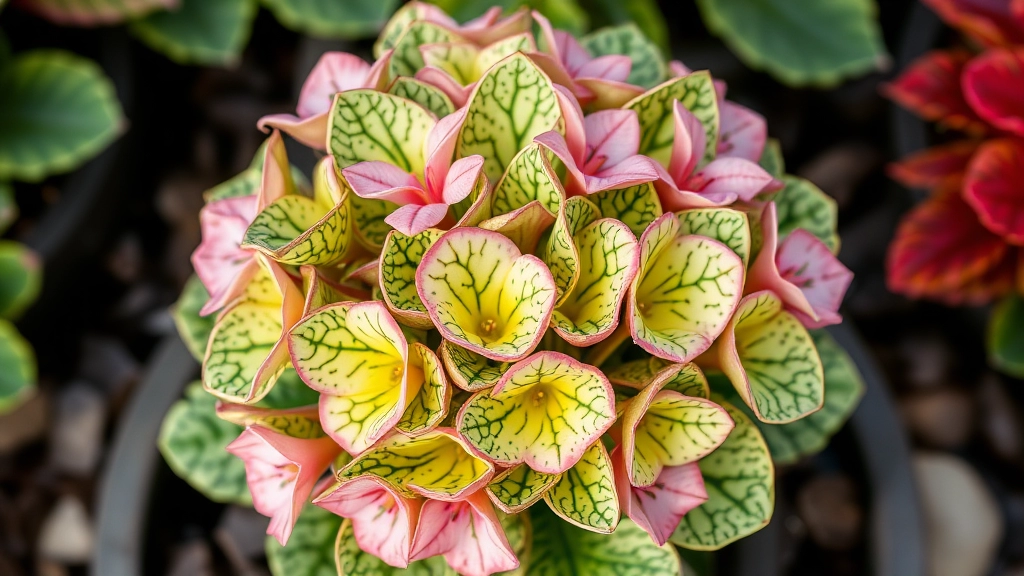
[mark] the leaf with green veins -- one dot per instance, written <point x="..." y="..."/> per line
<point x="193" y="328"/>
<point x="800" y="42"/>
<point x="200" y="31"/>
<point x="407" y="59"/>
<point x="498" y="51"/>
<point x="772" y="160"/>
<point x="429" y="405"/>
<point x="696" y="93"/>
<point x="501" y="315"/>
<point x="346" y="19"/>
<point x="726" y="225"/>
<point x="94" y="12"/>
<point x="636" y="373"/>
<point x="649" y="67"/>
<point x="523" y="226"/>
<point x="664" y="428"/>
<point x="545" y="412"/>
<point x="608" y="260"/>
<point x="513" y="103"/>
<point x="302" y="422"/>
<point x="395" y="26"/>
<point x="688" y="380"/>
<point x="193" y="441"/>
<point x="352" y="561"/>
<point x="457" y="59"/>
<point x="585" y="494"/>
<point x="740" y="481"/>
<point x="8" y="206"/>
<point x="561" y="549"/>
<point x="436" y="465"/>
<point x="771" y="360"/>
<point x="519" y="487"/>
<point x="430" y="97"/>
<point x="637" y="206"/>
<point x="18" y="378"/>
<point x="21" y="276"/>
<point x="366" y="125"/>
<point x="369" y="227"/>
<point x="294" y="230"/>
<point x="310" y="549"/>
<point x="246" y="183"/>
<point x="289" y="392"/>
<point x="469" y="370"/>
<point x="528" y="177"/>
<point x="399" y="260"/>
<point x="801" y="204"/>
<point x="1005" y="341"/>
<point x="684" y="293"/>
<point x="57" y="110"/>
<point x="560" y="252"/>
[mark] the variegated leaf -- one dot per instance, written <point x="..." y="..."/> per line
<point x="585" y="494"/>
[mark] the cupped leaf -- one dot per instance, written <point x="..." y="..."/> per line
<point x="310" y="549"/>
<point x="528" y="178"/>
<point x="523" y="226"/>
<point x="1005" y="337"/>
<point x="484" y="295"/>
<point x="636" y="373"/>
<point x="684" y="293"/>
<point x="608" y="261"/>
<point x="21" y="276"/>
<point x="193" y="441"/>
<point x="348" y="19"/>
<point x="302" y="422"/>
<point x="801" y="204"/>
<point x="469" y="370"/>
<point x="730" y="227"/>
<point x="513" y="103"/>
<point x="57" y="110"/>
<point x="561" y="549"/>
<point x="295" y="230"/>
<point x="92" y="12"/>
<point x="519" y="487"/>
<point x="648" y="68"/>
<point x="429" y="405"/>
<point x="193" y="328"/>
<point x="637" y="206"/>
<point x="366" y="125"/>
<point x="199" y="31"/>
<point x="560" y="252"/>
<point x="407" y="58"/>
<point x="585" y="494"/>
<point x="545" y="411"/>
<point x="436" y="465"/>
<point x="771" y="360"/>
<point x="18" y="378"/>
<point x="696" y="92"/>
<point x="430" y="97"/>
<point x="802" y="42"/>
<point x="399" y="260"/>
<point x="740" y="482"/>
<point x="352" y="561"/>
<point x="370" y="229"/>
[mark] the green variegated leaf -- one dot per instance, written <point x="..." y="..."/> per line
<point x="772" y="361"/>
<point x="772" y="160"/>
<point x="723" y="224"/>
<point x="523" y="226"/>
<point x="561" y="549"/>
<point x="637" y="206"/>
<point x="1005" y="340"/>
<point x="193" y="328"/>
<point x="289" y="392"/>
<point x="407" y="59"/>
<point x="352" y="561"/>
<point x="193" y="441"/>
<point x="423" y="94"/>
<point x="368" y="216"/>
<point x="310" y="549"/>
<point x="585" y="494"/>
<point x="295" y="230"/>
<point x="394" y="28"/>
<point x="648" y="69"/>
<point x="740" y="481"/>
<point x="21" y="276"/>
<point x="545" y="412"/>
<point x="513" y="103"/>
<point x="301" y="422"/>
<point x="636" y="373"/>
<point x="560" y="252"/>
<point x="347" y="19"/>
<point x="94" y="12"/>
<point x="200" y="31"/>
<point x="435" y="464"/>
<point x="801" y="204"/>
<point x="18" y="377"/>
<point x="430" y="403"/>
<point x="608" y="260"/>
<point x="399" y="260"/>
<point x="528" y="177"/>
<point x="369" y="125"/>
<point x="245" y="183"/>
<point x="696" y="92"/>
<point x="519" y="487"/>
<point x="688" y="380"/>
<point x="8" y="206"/>
<point x="469" y="370"/>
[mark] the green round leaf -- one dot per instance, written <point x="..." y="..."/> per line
<point x="18" y="377"/>
<point x="800" y="41"/>
<point x="771" y="158"/>
<point x="349" y="19"/>
<point x="200" y="31"/>
<point x="21" y="276"/>
<point x="310" y="549"/>
<point x="801" y="204"/>
<point x="193" y="328"/>
<point x="1006" y="336"/>
<point x="8" y="206"/>
<point x="648" y="69"/>
<point x="57" y="110"/>
<point x="194" y="441"/>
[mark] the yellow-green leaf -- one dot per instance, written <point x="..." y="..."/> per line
<point x="368" y="125"/>
<point x="469" y="370"/>
<point x="424" y="94"/>
<point x="399" y="260"/>
<point x="726" y="225"/>
<point x="696" y="92"/>
<point x="585" y="494"/>
<point x="637" y="206"/>
<point x="519" y="487"/>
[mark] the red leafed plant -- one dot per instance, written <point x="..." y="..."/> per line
<point x="964" y="244"/>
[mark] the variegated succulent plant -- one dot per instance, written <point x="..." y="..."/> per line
<point x="528" y="267"/>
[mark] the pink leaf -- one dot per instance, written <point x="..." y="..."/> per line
<point x="806" y="262"/>
<point x="659" y="508"/>
<point x="554" y="142"/>
<point x="688" y="145"/>
<point x="764" y="273"/>
<point x="441" y="147"/>
<point x="382" y="181"/>
<point x="993" y="187"/>
<point x="743" y="132"/>
<point x="412" y="219"/>
<point x="311" y="131"/>
<point x="933" y="166"/>
<point x="612" y="136"/>
<point x="462" y="178"/>
<point x="334" y="72"/>
<point x="993" y="83"/>
<point x="629" y="172"/>
<point x="444" y="82"/>
<point x="615" y="67"/>
<point x="467" y="533"/>
<point x="575" y="131"/>
<point x="219" y="260"/>
<point x="731" y="177"/>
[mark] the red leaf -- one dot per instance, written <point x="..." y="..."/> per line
<point x="930" y="88"/>
<point x="942" y="252"/>
<point x="931" y="167"/>
<point x="993" y="84"/>
<point x="991" y="22"/>
<point x="994" y="187"/>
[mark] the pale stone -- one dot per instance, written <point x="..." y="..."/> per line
<point x="67" y="533"/>
<point x="77" y="436"/>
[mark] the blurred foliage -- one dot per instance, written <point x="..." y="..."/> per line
<point x="1006" y="336"/>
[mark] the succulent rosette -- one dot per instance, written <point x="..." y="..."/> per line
<point x="528" y="268"/>
<point x="964" y="243"/>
